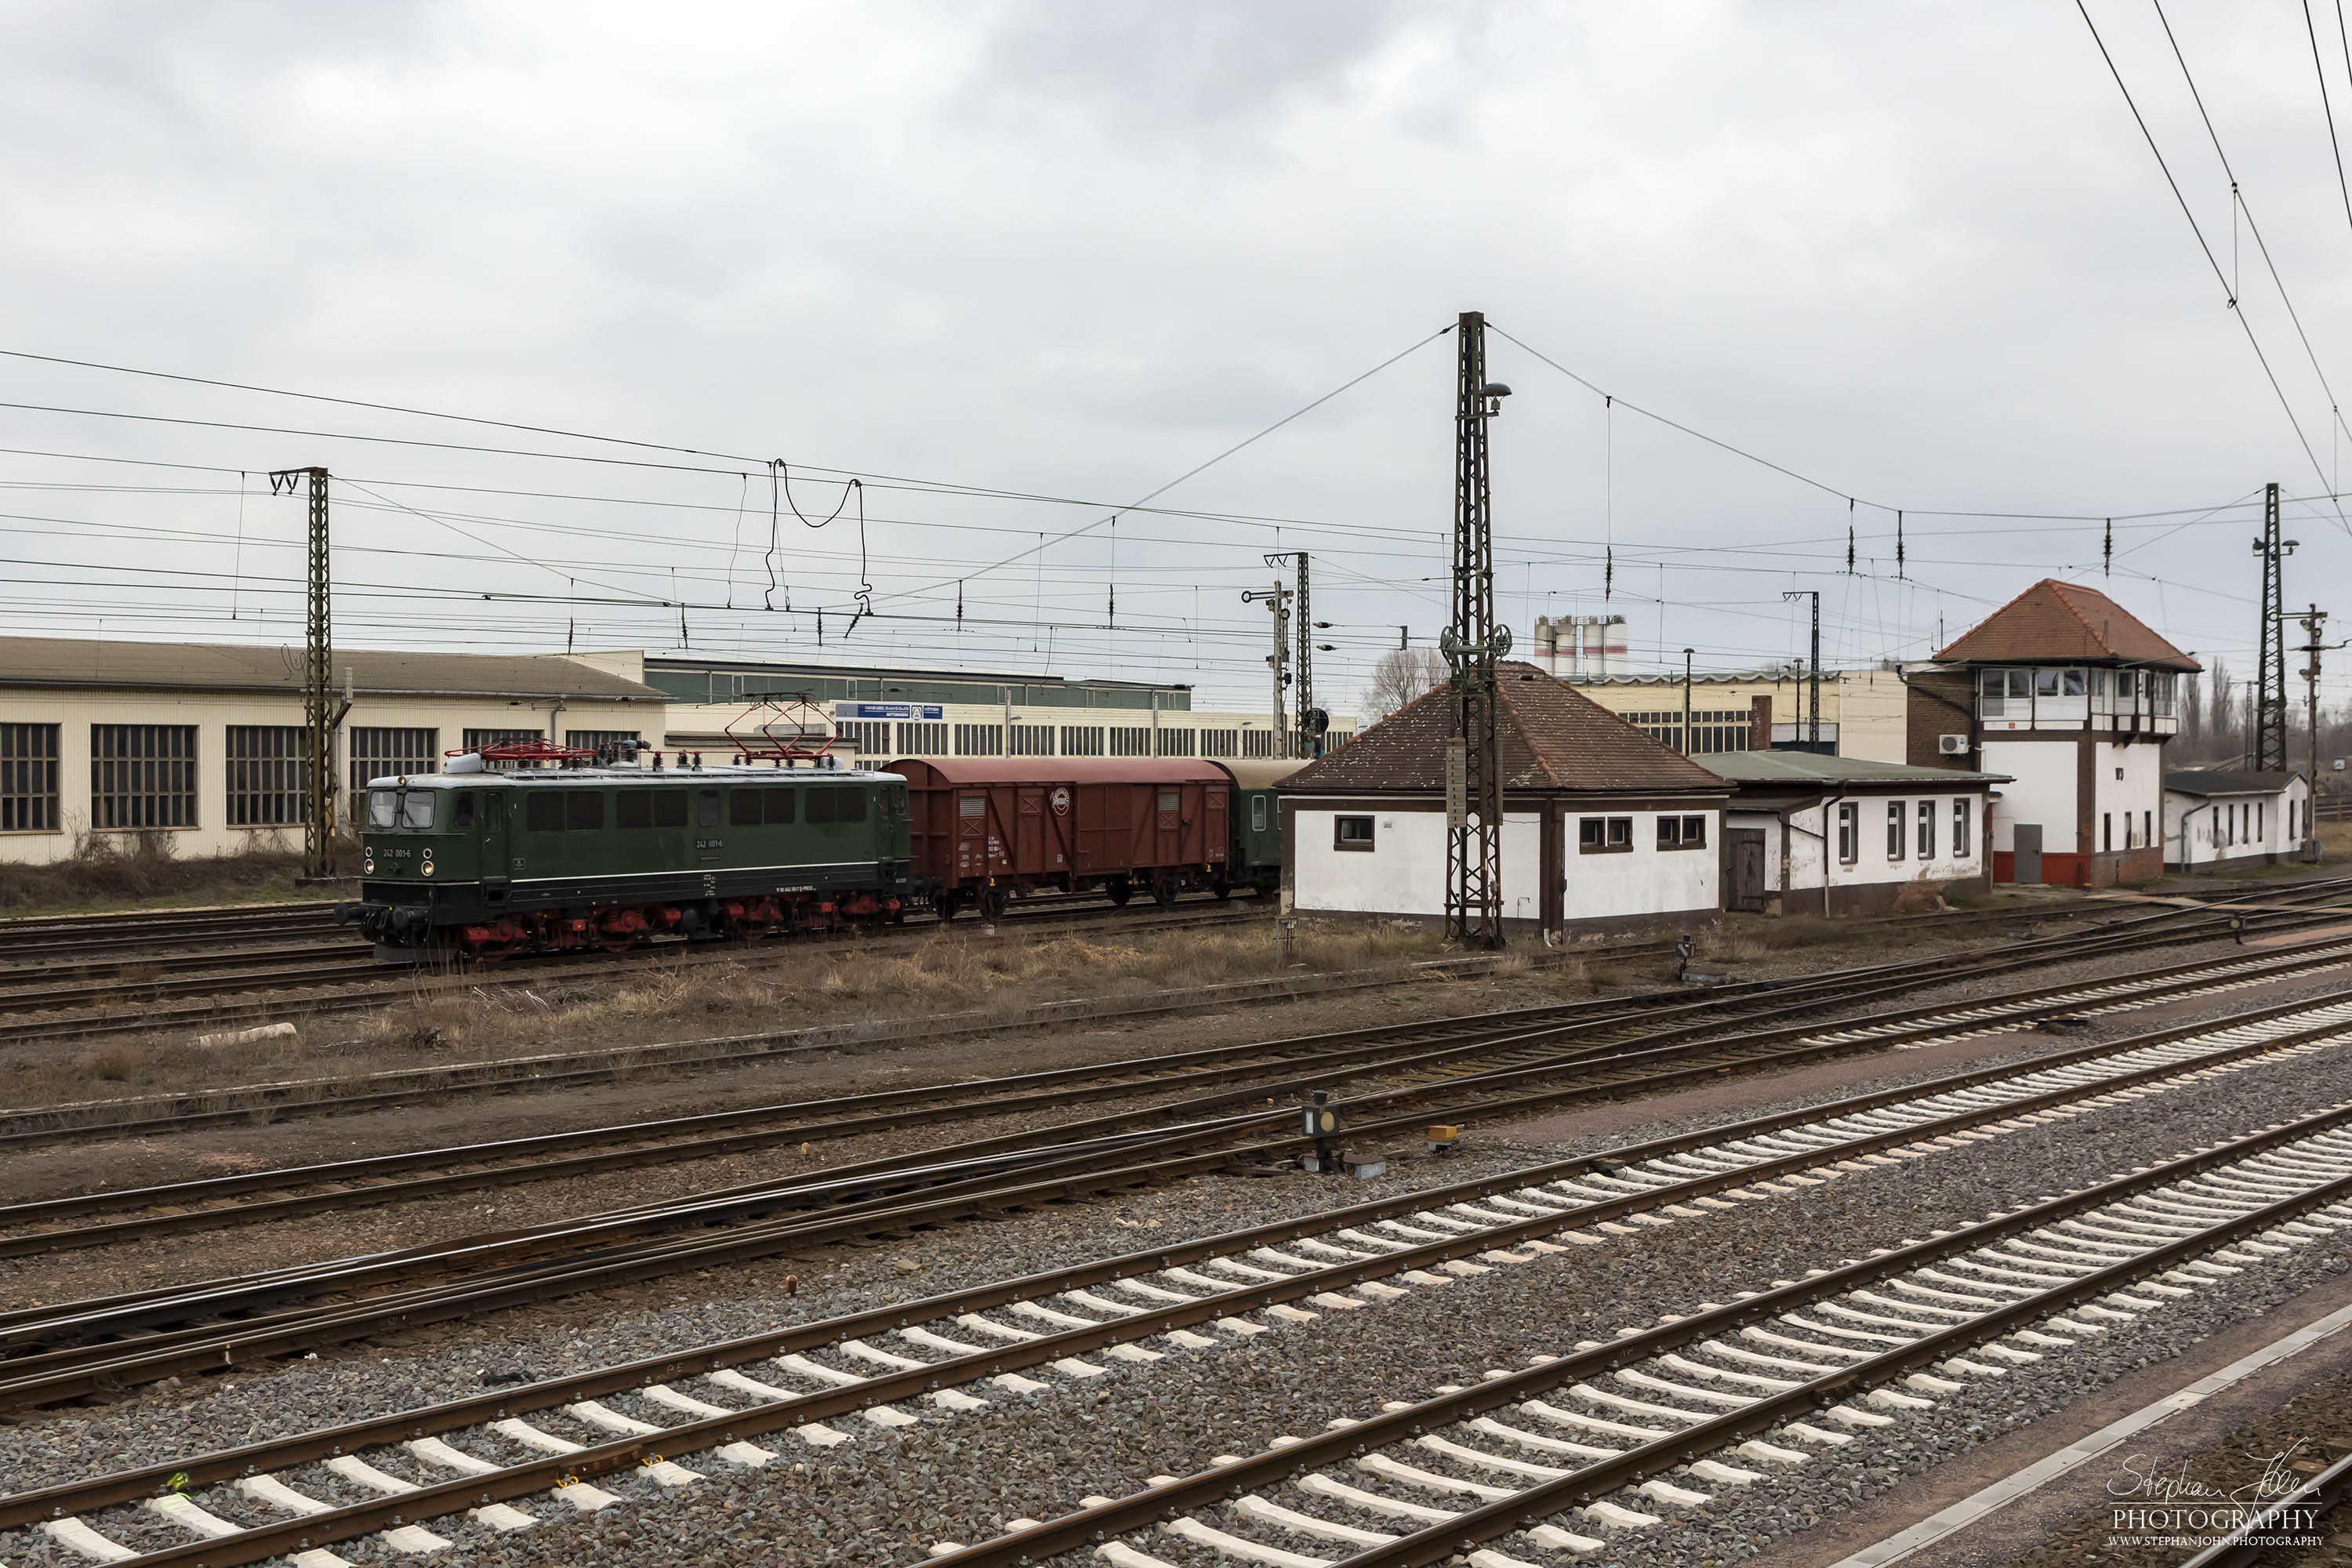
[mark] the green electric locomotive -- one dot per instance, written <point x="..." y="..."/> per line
<point x="487" y="863"/>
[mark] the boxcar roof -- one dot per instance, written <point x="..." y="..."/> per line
<point x="1262" y="773"/>
<point x="1065" y="770"/>
<point x="728" y="773"/>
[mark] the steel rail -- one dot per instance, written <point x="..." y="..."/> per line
<point x="1094" y="1525"/>
<point x="896" y="1174"/>
<point x="64" y="1376"/>
<point x="545" y="1072"/>
<point x="1533" y="1504"/>
<point x="952" y="1102"/>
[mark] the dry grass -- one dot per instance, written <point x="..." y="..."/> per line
<point x="125" y="871"/>
<point x="450" y="1016"/>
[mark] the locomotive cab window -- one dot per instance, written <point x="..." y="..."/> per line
<point x="1353" y="833"/>
<point x="416" y="808"/>
<point x="384" y="808"/>
<point x="462" y="814"/>
<point x="706" y="809"/>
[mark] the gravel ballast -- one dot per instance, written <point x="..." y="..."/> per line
<point x="883" y="1497"/>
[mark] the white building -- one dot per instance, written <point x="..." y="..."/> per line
<point x="879" y="712"/>
<point x="2216" y="816"/>
<point x="1815" y="835"/>
<point x="2066" y="693"/>
<point x="206" y="742"/>
<point x="1602" y="826"/>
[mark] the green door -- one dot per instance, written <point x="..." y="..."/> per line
<point x="495" y="865"/>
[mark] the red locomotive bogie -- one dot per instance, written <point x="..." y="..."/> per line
<point x="985" y="828"/>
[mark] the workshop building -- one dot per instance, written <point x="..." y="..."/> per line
<point x="1603" y="828"/>
<point x="2223" y="818"/>
<point x="1843" y="836"/>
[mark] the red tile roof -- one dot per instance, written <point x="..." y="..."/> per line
<point x="2065" y="623"/>
<point x="1554" y="738"/>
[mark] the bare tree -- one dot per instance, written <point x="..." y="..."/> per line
<point x="1401" y="675"/>
<point x="2192" y="712"/>
<point x="2225" y="701"/>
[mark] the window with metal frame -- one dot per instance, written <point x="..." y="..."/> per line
<point x="1082" y="740"/>
<point x="268" y="774"/>
<point x="1257" y="742"/>
<point x="980" y="740"/>
<point x="1221" y="742"/>
<point x="1849" y="832"/>
<point x="142" y="775"/>
<point x="1175" y="742"/>
<point x="1130" y="740"/>
<point x="1033" y="740"/>
<point x="1963" y="839"/>
<point x="1258" y="814"/>
<point x="591" y="739"/>
<point x="28" y="778"/>
<point x="1927" y="830"/>
<point x="870" y="736"/>
<point x="379" y="753"/>
<point x="1351" y="833"/>
<point x="923" y="740"/>
<point x="1895" y="834"/>
<point x="476" y="739"/>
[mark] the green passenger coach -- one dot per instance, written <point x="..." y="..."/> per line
<point x="538" y="860"/>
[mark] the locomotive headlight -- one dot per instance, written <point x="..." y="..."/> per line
<point x="425" y="869"/>
<point x="367" y="864"/>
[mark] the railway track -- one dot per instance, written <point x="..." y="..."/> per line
<point x="66" y="1350"/>
<point x="136" y="996"/>
<point x="1405" y="1060"/>
<point x="235" y="1103"/>
<point x="1598" y="1437"/>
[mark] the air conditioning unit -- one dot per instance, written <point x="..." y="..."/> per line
<point x="1952" y="745"/>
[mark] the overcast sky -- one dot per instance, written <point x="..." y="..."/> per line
<point x="1065" y="252"/>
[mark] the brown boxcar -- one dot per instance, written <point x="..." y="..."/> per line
<point x="986" y="828"/>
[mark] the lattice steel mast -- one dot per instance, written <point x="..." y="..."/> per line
<point x="2266" y="750"/>
<point x="1472" y="645"/>
<point x="321" y="717"/>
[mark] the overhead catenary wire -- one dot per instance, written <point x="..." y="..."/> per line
<point x="2229" y="294"/>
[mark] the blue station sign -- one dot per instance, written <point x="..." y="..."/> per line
<point x="933" y="710"/>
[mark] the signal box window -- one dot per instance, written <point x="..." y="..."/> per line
<point x="1353" y="833"/>
<point x="1604" y="835"/>
<point x="1849" y="833"/>
<point x="1962" y="839"/>
<point x="1895" y="833"/>
<point x="1682" y="832"/>
<point x="1928" y="828"/>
